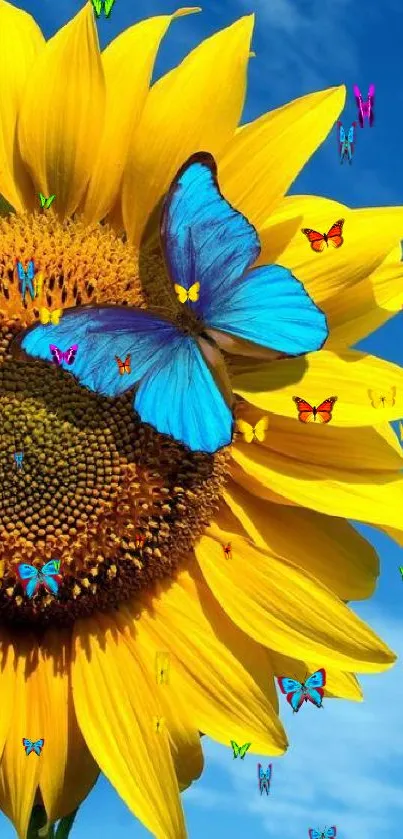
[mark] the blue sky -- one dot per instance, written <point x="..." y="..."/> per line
<point x="344" y="763"/>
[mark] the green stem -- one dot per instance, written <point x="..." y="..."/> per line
<point x="38" y="823"/>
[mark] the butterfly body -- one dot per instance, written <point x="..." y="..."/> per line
<point x="327" y="833"/>
<point x="105" y="5"/>
<point x="48" y="316"/>
<point x="346" y="142"/>
<point x="182" y="384"/>
<point x="46" y="202"/>
<point x="381" y="399"/>
<point x="26" y="277"/>
<point x="365" y="107"/>
<point x="311" y="413"/>
<point x="35" y="746"/>
<point x="124" y="366"/>
<point x="253" y="433"/>
<point x="63" y="356"/>
<point x="239" y="751"/>
<point x="318" y="241"/>
<point x="33" y="578"/>
<point x="297" y="692"/>
<point x="264" y="778"/>
<point x="18" y="457"/>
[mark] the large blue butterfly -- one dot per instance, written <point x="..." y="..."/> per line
<point x="183" y="386"/>
<point x="33" y="578"/>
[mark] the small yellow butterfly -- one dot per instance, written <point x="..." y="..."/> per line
<point x="382" y="397"/>
<point x="185" y="294"/>
<point x="253" y="432"/>
<point x="46" y="316"/>
<point x="38" y="283"/>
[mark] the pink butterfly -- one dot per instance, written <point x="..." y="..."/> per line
<point x="365" y="109"/>
<point x="68" y="355"/>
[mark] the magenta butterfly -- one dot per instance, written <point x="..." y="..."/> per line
<point x="68" y="356"/>
<point x="365" y="108"/>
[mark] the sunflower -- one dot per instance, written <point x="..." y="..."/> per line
<point x="155" y="621"/>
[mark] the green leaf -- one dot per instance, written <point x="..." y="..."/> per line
<point x="65" y="825"/>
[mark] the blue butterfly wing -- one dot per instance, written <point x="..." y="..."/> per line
<point x="204" y="238"/>
<point x="351" y="134"/>
<point x="289" y="685"/>
<point x="314" y="834"/>
<point x="330" y="833"/>
<point x="101" y="333"/>
<point x="38" y="746"/>
<point x="179" y="397"/>
<point x="342" y="134"/>
<point x="51" y="567"/>
<point x="295" y="700"/>
<point x="52" y="584"/>
<point x="28" y="745"/>
<point x="316" y="697"/>
<point x="317" y="680"/>
<point x="27" y="572"/>
<point x="271" y="308"/>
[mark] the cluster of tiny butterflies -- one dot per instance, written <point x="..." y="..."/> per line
<point x="253" y="432"/>
<point x="105" y="5"/>
<point x="48" y="316"/>
<point x="319" y="240"/>
<point x="46" y="202"/>
<point x="264" y="777"/>
<point x="380" y="398"/>
<point x="33" y="746"/>
<point x="227" y="550"/>
<point x="68" y="356"/>
<point x="162" y="667"/>
<point x="327" y="833"/>
<point x="33" y="578"/>
<point x="124" y="366"/>
<point x="311" y="413"/>
<point x="18" y="457"/>
<point x="240" y="751"/>
<point x="297" y="693"/>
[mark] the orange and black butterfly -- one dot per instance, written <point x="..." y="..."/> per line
<point x="139" y="539"/>
<point x="124" y="366"/>
<point x="319" y="240"/>
<point x="227" y="550"/>
<point x="309" y="413"/>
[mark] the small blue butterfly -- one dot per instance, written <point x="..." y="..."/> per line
<point x="264" y="777"/>
<point x="26" y="277"/>
<point x="32" y="578"/>
<point x="30" y="746"/>
<point x="299" y="692"/>
<point x="221" y="303"/>
<point x="327" y="833"/>
<point x="18" y="457"/>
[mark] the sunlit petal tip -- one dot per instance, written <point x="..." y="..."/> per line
<point x="187" y="10"/>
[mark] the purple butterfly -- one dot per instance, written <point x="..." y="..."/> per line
<point x="68" y="355"/>
<point x="365" y="109"/>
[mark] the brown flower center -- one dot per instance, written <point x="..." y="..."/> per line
<point x="117" y="503"/>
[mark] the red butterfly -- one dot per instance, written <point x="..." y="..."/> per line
<point x="139" y="540"/>
<point x="124" y="366"/>
<point x="227" y="550"/>
<point x="319" y="240"/>
<point x="308" y="413"/>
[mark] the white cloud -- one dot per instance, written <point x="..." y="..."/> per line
<point x="343" y="766"/>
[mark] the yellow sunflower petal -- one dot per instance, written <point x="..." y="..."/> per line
<point x="360" y="310"/>
<point x="222" y="676"/>
<point x="127" y="83"/>
<point x="339" y="685"/>
<point x="114" y="701"/>
<point x="68" y="771"/>
<point x="286" y="608"/>
<point x="329" y="548"/>
<point x="369" y="234"/>
<point x="62" y="113"/>
<point x="19" y="773"/>
<point x="347" y="374"/>
<point x="195" y="107"/>
<point x="7" y="686"/>
<point x="183" y="736"/>
<point x="265" y="156"/>
<point x="373" y="495"/>
<point x="20" y="42"/>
